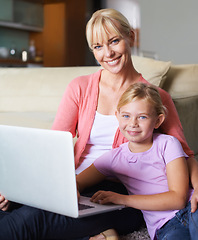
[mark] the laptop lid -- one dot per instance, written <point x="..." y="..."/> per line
<point x="37" y="169"/>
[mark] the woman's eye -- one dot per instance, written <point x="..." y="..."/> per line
<point x="115" y="41"/>
<point x="97" y="47"/>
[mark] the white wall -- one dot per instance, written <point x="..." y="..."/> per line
<point x="169" y="28"/>
<point x="129" y="8"/>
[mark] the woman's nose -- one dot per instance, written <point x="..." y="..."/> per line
<point x="108" y="51"/>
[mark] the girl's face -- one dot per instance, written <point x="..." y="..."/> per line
<point x="137" y="120"/>
<point x="113" y="53"/>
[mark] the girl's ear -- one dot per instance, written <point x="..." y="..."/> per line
<point x="116" y="113"/>
<point x="159" y="121"/>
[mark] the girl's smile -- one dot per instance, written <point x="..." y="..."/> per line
<point x="137" y="120"/>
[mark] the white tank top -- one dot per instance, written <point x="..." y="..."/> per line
<point x="100" y="140"/>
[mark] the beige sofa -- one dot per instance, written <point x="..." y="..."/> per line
<point x="30" y="96"/>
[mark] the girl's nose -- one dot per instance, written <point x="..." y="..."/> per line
<point x="133" y="122"/>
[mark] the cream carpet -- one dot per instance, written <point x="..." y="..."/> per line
<point x="142" y="234"/>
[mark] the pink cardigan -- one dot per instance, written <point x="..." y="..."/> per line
<point x="77" y="109"/>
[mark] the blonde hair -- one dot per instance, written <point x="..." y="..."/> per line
<point x="143" y="91"/>
<point x="105" y="21"/>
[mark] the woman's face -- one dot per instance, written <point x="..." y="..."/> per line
<point x="114" y="52"/>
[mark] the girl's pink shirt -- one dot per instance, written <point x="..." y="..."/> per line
<point x="77" y="109"/>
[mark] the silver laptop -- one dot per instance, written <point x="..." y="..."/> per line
<point x="37" y="169"/>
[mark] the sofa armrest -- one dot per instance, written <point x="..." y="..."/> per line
<point x="188" y="114"/>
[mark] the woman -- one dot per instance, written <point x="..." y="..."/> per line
<point x="87" y="110"/>
<point x="110" y="38"/>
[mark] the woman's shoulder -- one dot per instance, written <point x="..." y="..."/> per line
<point x="164" y="95"/>
<point x="85" y="80"/>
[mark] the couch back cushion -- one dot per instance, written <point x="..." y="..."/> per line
<point x="182" y="80"/>
<point x="152" y="70"/>
<point x="36" y="89"/>
<point x="41" y="89"/>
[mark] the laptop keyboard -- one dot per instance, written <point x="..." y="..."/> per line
<point x="84" y="206"/>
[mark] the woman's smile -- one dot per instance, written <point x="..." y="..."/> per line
<point x="114" y="61"/>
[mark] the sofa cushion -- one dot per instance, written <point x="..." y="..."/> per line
<point x="182" y="80"/>
<point x="36" y="89"/>
<point x="42" y="120"/>
<point x="152" y="70"/>
<point x="188" y="114"/>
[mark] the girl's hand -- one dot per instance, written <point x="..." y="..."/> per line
<point x="194" y="201"/>
<point x="4" y="204"/>
<point x="106" y="197"/>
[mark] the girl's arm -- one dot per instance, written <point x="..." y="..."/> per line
<point x="88" y="178"/>
<point x="175" y="198"/>
<point x="172" y="126"/>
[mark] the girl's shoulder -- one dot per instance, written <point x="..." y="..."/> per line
<point x="168" y="145"/>
<point x="164" y="138"/>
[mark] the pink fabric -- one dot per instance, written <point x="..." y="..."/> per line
<point x="78" y="106"/>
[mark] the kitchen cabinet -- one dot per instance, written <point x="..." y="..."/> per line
<point x="20" y="14"/>
<point x="28" y="13"/>
<point x="6" y="10"/>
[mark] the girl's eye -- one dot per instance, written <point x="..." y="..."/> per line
<point x="125" y="116"/>
<point x="142" y="117"/>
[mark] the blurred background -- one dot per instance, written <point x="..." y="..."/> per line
<point x="51" y="33"/>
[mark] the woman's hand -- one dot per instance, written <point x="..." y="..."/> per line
<point x="194" y="201"/>
<point x="4" y="203"/>
<point x="78" y="195"/>
<point x="106" y="197"/>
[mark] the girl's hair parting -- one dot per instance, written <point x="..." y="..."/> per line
<point x="143" y="91"/>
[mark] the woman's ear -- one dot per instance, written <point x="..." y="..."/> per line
<point x="132" y="38"/>
<point x="159" y="121"/>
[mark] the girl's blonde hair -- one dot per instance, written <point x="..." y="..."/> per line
<point x="143" y="91"/>
<point x="105" y="21"/>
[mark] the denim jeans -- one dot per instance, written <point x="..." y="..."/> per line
<point x="183" y="226"/>
<point x="28" y="223"/>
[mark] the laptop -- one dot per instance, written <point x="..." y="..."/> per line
<point x="37" y="169"/>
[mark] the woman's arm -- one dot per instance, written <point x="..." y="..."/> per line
<point x="172" y="125"/>
<point x="175" y="198"/>
<point x="67" y="115"/>
<point x="88" y="178"/>
<point x="4" y="204"/>
<point x="193" y="170"/>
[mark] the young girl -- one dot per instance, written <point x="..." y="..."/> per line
<point x="152" y="167"/>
